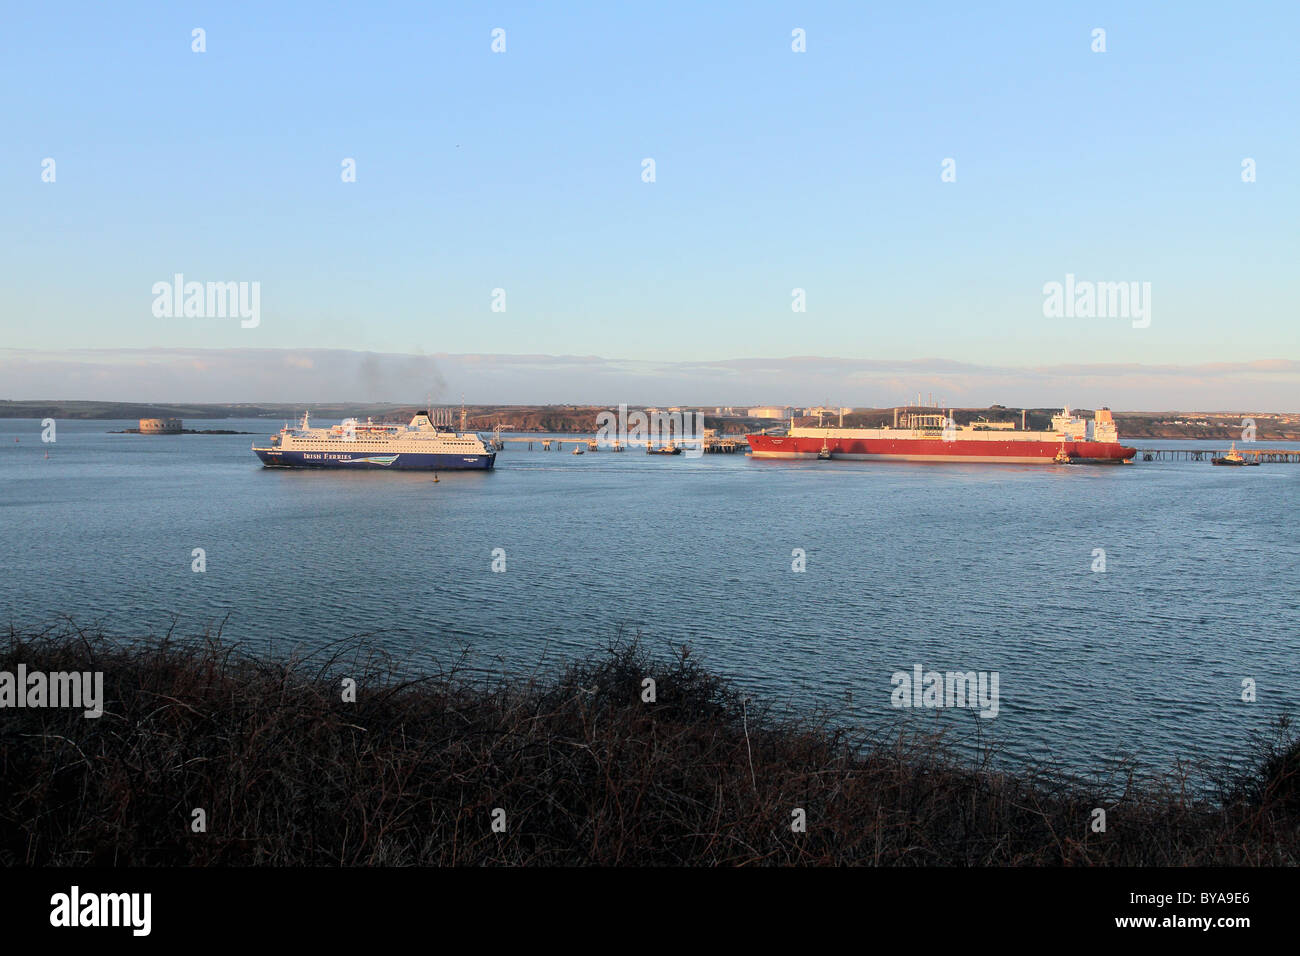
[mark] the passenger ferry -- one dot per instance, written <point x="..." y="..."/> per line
<point x="419" y="446"/>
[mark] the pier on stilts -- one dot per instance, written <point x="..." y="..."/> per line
<point x="1270" y="455"/>
<point x="712" y="446"/>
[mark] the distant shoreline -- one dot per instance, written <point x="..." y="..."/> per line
<point x="1212" y="426"/>
<point x="183" y="431"/>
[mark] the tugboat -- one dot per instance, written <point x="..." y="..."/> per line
<point x="825" y="453"/>
<point x="1233" y="457"/>
<point x="669" y="449"/>
<point x="1062" y="456"/>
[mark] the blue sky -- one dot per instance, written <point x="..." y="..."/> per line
<point x="774" y="170"/>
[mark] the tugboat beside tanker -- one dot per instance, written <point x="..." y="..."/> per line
<point x="1233" y="457"/>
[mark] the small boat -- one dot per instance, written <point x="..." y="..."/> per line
<point x="577" y="449"/>
<point x="1233" y="457"/>
<point x="669" y="449"/>
<point x="435" y="478"/>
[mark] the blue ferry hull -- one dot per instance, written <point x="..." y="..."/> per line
<point x="352" y="461"/>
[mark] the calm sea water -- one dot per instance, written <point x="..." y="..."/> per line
<point x="983" y="568"/>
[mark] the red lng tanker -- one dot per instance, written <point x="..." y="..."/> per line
<point x="935" y="437"/>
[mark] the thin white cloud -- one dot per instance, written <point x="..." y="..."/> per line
<point x="338" y="375"/>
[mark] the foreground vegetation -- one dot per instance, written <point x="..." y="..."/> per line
<point x="287" y="772"/>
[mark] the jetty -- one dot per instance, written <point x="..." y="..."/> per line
<point x="713" y="445"/>
<point x="1279" y="455"/>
